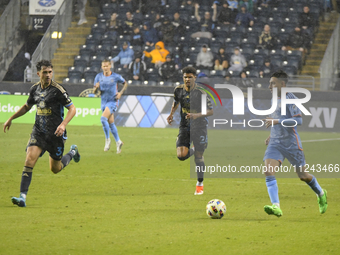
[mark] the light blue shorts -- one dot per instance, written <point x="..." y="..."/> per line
<point x="111" y="105"/>
<point x="279" y="150"/>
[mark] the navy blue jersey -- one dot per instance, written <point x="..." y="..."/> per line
<point x="190" y="102"/>
<point x="50" y="103"/>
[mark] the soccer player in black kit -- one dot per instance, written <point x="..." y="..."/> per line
<point x="49" y="130"/>
<point x="193" y="125"/>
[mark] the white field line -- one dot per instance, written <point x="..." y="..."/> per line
<point x="320" y="140"/>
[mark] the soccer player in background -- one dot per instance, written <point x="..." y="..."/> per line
<point x="193" y="125"/>
<point x="284" y="142"/>
<point x="107" y="83"/>
<point x="49" y="130"/>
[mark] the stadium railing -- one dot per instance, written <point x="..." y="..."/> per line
<point x="329" y="68"/>
<point x="49" y="45"/>
<point x="10" y="42"/>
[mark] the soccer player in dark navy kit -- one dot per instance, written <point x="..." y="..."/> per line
<point x="107" y="83"/>
<point x="284" y="142"/>
<point x="49" y="130"/>
<point x="193" y="125"/>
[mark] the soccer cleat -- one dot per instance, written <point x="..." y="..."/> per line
<point x="119" y="146"/>
<point x="107" y="144"/>
<point x="323" y="202"/>
<point x="19" y="201"/>
<point x="199" y="190"/>
<point x="76" y="156"/>
<point x="273" y="209"/>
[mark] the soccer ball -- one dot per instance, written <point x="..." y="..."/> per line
<point x="216" y="209"/>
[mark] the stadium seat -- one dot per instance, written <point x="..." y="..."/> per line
<point x="217" y="73"/>
<point x="235" y="74"/>
<point x="104" y="49"/>
<point x="151" y="83"/>
<point x="221" y="32"/>
<point x="91" y="39"/>
<point x="135" y="83"/>
<point x="290" y="70"/>
<point x="79" y="61"/>
<point x="252" y="74"/>
<point x="84" y="49"/>
<point x="75" y="70"/>
<point x="95" y="61"/>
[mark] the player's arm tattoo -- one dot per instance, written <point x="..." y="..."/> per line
<point x="124" y="88"/>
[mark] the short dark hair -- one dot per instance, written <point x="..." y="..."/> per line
<point x="43" y="62"/>
<point x="189" y="69"/>
<point x="106" y="60"/>
<point x="282" y="75"/>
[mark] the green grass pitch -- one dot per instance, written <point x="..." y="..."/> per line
<point x="142" y="202"/>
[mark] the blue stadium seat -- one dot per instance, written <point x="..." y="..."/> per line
<point x="135" y="83"/>
<point x="79" y="61"/>
<point x="103" y="48"/>
<point x="75" y="70"/>
<point x="290" y="70"/>
<point x="98" y="28"/>
<point x="93" y="39"/>
<point x="217" y="73"/>
<point x="252" y="74"/>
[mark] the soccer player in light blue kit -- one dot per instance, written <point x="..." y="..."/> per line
<point x="107" y="83"/>
<point x="284" y="142"/>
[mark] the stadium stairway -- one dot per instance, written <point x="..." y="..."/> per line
<point x="69" y="48"/>
<point x="314" y="59"/>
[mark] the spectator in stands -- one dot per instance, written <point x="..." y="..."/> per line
<point x="138" y="17"/>
<point x="225" y="15"/>
<point x="267" y="69"/>
<point x="168" y="70"/>
<point x="151" y="7"/>
<point x="125" y="55"/>
<point x="307" y="22"/>
<point x="237" y="61"/>
<point x="228" y="79"/>
<point x="244" y="18"/>
<point x="178" y="61"/>
<point x="221" y="60"/>
<point x="266" y="39"/>
<point x="178" y="24"/>
<point x="297" y="41"/>
<point x="137" y="38"/>
<point x="81" y="8"/>
<point x="167" y="31"/>
<point x="249" y="5"/>
<point x="137" y="68"/>
<point x="130" y="5"/>
<point x="244" y="81"/>
<point x="149" y="34"/>
<point x="158" y="55"/>
<point x="205" y="59"/>
<point x="114" y="27"/>
<point x="264" y="3"/>
<point x="190" y="6"/>
<point x="28" y="68"/>
<point x="157" y="21"/>
<point x="206" y="24"/>
<point x="128" y="23"/>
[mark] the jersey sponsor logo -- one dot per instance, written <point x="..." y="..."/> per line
<point x="44" y="112"/>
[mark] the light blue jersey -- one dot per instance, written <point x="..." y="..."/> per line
<point x="109" y="88"/>
<point x="285" y="141"/>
